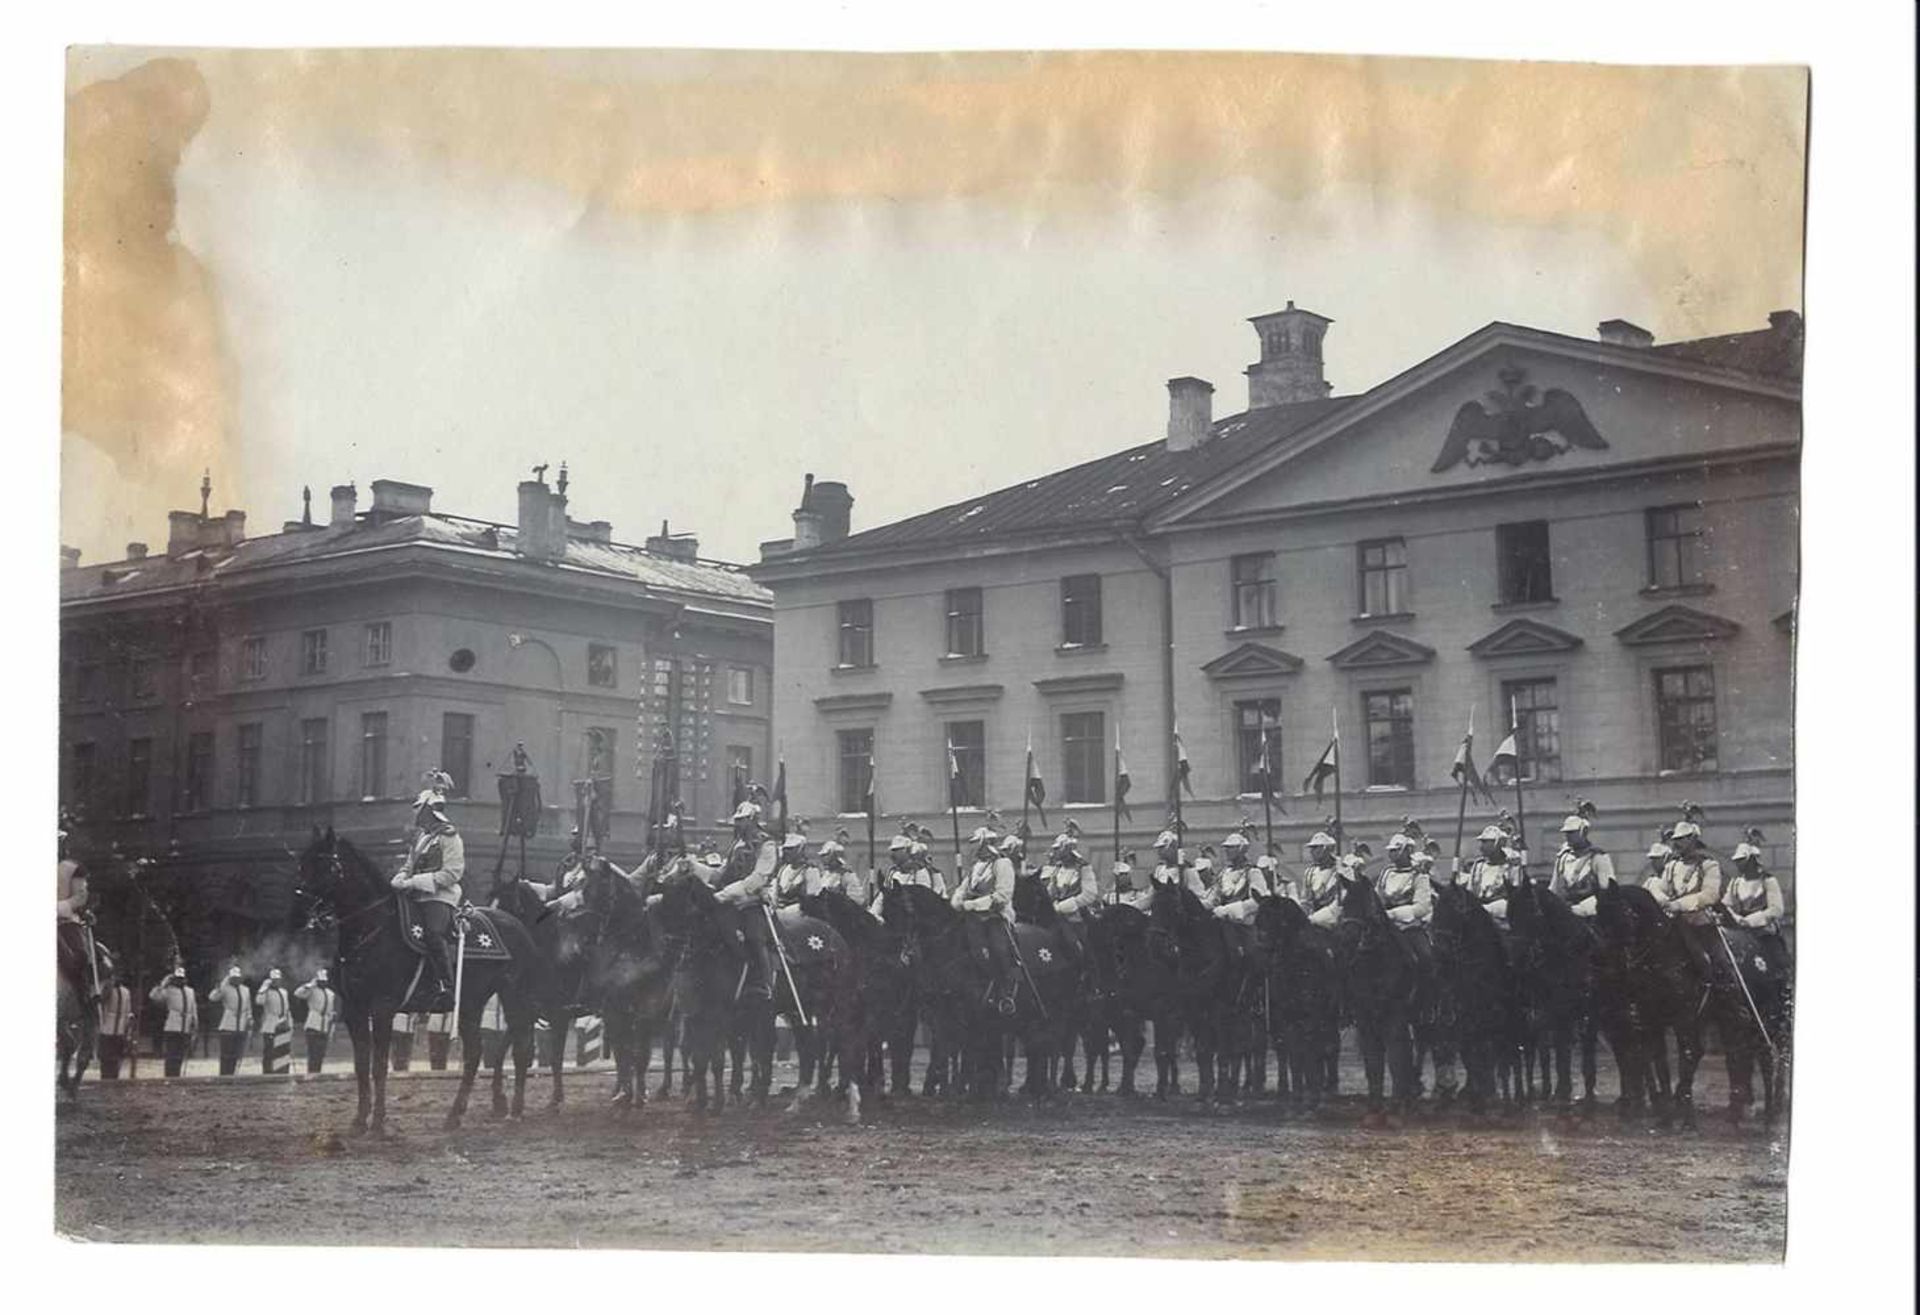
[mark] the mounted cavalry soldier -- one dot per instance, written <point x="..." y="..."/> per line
<point x="1753" y="900"/>
<point x="742" y="884"/>
<point x="1171" y="870"/>
<point x="986" y="893"/>
<point x="1069" y="884"/>
<point x="1488" y="877"/>
<point x="1236" y="893"/>
<point x="1123" y="887"/>
<point x="1319" y="889"/>
<point x="73" y="924"/>
<point x="1688" y="888"/>
<point x="431" y="880"/>
<point x="834" y="872"/>
<point x="796" y="877"/>
<point x="1581" y="870"/>
<point x="1407" y="895"/>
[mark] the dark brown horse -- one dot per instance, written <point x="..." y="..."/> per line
<point x="374" y="969"/>
<point x="1303" y="1017"/>
<point x="1381" y="986"/>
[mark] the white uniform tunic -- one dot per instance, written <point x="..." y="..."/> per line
<point x="1755" y="902"/>
<point x="1578" y="878"/>
<point x="987" y="889"/>
<point x="1235" y="894"/>
<point x="1071" y="888"/>
<point x="1407" y="895"/>
<point x="1319" y="894"/>
<point x="1688" y="885"/>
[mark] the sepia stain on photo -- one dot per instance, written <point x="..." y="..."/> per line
<point x="1124" y="653"/>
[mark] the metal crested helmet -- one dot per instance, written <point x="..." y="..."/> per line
<point x="1497" y="834"/>
<point x="1660" y="850"/>
<point x="899" y="844"/>
<point x="1746" y="850"/>
<point x="1165" y="840"/>
<point x="831" y="848"/>
<point x="1321" y="840"/>
<point x="1686" y="831"/>
<point x="1399" y="843"/>
<point x="1234" y="840"/>
<point x="1574" y="824"/>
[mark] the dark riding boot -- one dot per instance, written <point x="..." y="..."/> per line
<point x="436" y="919"/>
<point x="762" y="971"/>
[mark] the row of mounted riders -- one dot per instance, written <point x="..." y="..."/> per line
<point x="661" y="957"/>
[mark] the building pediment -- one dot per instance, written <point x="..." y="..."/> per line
<point x="1380" y="648"/>
<point x="1250" y="661"/>
<point x="1677" y="624"/>
<point x="1521" y="637"/>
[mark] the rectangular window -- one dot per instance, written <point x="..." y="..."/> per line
<point x="1254" y="604"/>
<point x="1526" y="562"/>
<point x="200" y="673"/>
<point x="196" y="786"/>
<point x="969" y="741"/>
<point x="1689" y="733"/>
<point x="246" y="761"/>
<point x="1258" y="723"/>
<point x="253" y="658"/>
<point x="142" y="676"/>
<point x="856" y="632"/>
<point x="966" y="630"/>
<point x="314" y="783"/>
<point x="1083" y="757"/>
<point x="1080" y="610"/>
<point x="379" y="643"/>
<point x="313" y="652"/>
<point x="456" y="752"/>
<point x="1389" y="718"/>
<point x="1675" y="542"/>
<point x="139" y="776"/>
<point x="603" y="666"/>
<point x="81" y="768"/>
<point x="1383" y="577"/>
<point x="1536" y="704"/>
<point x="856" y="760"/>
<point x="739" y="769"/>
<point x="740" y="686"/>
<point x="86" y="681"/>
<point x="373" y="755"/>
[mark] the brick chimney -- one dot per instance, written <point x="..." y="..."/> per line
<point x="680" y="547"/>
<point x="345" y="498"/>
<point x="1624" y="333"/>
<point x="1189" y="413"/>
<point x="136" y="551"/>
<point x="393" y="498"/>
<point x="1290" y="368"/>
<point x="807" y="520"/>
<point x="538" y="540"/>
<point x="835" y="506"/>
<point x="69" y="558"/>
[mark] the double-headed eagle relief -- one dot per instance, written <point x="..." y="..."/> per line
<point x="1516" y="424"/>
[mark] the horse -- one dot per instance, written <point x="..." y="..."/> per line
<point x="1752" y="1011"/>
<point x="1476" y="1001"/>
<point x="1553" y="953"/>
<point x="76" y="1025"/>
<point x="1381" y="986"/>
<point x="1647" y="984"/>
<point x="1303" y="1016"/>
<point x="1033" y="907"/>
<point x="952" y="984"/>
<point x="374" y="970"/>
<point x="554" y="980"/>
<point x="1122" y="999"/>
<point x="1185" y="941"/>
<point x="815" y="987"/>
<point x="888" y="1006"/>
<point x="623" y="973"/>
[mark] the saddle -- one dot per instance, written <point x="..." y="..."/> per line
<point x="484" y="942"/>
<point x="808" y="941"/>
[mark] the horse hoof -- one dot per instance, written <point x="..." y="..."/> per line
<point x="451" y="1123"/>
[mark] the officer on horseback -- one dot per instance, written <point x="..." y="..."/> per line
<point x="1581" y="869"/>
<point x="834" y="873"/>
<point x="986" y="892"/>
<point x="1236" y="894"/>
<point x="1752" y="900"/>
<point x="743" y="881"/>
<point x="1123" y="888"/>
<point x="1069" y="883"/>
<point x="1319" y="889"/>
<point x="73" y="924"/>
<point x="431" y="880"/>
<point x="1170" y="870"/>
<point x="1688" y="888"/>
<point x="1488" y="877"/>
<point x="796" y="877"/>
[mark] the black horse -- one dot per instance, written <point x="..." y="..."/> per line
<point x="1380" y="988"/>
<point x="1553" y="960"/>
<point x="815" y="988"/>
<point x="1188" y="947"/>
<point x="1752" y="1012"/>
<point x="1476" y="1003"/>
<point x="889" y="1008"/>
<point x="554" y="979"/>
<point x="1648" y="984"/>
<point x="627" y="972"/>
<point x="1303" y="1018"/>
<point x="1121" y="999"/>
<point x="374" y="969"/>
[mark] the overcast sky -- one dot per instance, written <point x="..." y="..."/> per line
<point x="696" y="277"/>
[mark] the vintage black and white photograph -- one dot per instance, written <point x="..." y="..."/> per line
<point x="1129" y="654"/>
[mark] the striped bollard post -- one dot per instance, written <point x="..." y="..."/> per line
<point x="279" y="1048"/>
<point x="589" y="1032"/>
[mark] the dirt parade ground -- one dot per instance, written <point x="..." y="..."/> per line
<point x="1082" y="1175"/>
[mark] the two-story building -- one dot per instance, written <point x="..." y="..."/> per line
<point x="221" y="700"/>
<point x="1598" y="538"/>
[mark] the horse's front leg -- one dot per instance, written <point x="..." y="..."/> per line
<point x="467" y="1028"/>
<point x="362" y="1039"/>
<point x="382" y="1057"/>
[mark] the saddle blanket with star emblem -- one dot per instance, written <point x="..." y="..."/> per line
<point x="483" y="938"/>
<point x="808" y="941"/>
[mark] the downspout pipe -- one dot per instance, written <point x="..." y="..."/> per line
<point x="1165" y="572"/>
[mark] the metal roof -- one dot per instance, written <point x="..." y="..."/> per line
<point x="1114" y="489"/>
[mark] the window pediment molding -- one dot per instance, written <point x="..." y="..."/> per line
<point x="1523" y="637"/>
<point x="1380" y="648"/>
<point x="876" y="701"/>
<point x="1094" y="683"/>
<point x="1250" y="661"/>
<point x="1677" y="624"/>
<point x="947" y="694"/>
